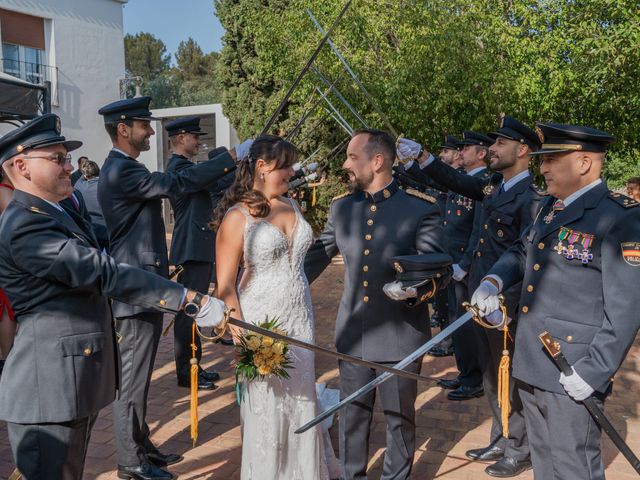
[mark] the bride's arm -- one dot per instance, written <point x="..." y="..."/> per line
<point x="229" y="245"/>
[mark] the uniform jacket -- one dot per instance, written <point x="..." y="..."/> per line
<point x="460" y="215"/>
<point x="131" y="200"/>
<point x="192" y="239"/>
<point x="588" y="307"/>
<point x="504" y="216"/>
<point x="368" y="230"/>
<point x="63" y="364"/>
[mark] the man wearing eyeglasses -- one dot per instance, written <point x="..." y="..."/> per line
<point x="131" y="200"/>
<point x="63" y="367"/>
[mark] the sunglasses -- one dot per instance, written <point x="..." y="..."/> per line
<point x="60" y="158"/>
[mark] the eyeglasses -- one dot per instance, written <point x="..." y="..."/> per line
<point x="60" y="158"/>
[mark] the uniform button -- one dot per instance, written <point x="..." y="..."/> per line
<point x="482" y="240"/>
<point x="366" y="299"/>
<point x="569" y="338"/>
<point x="369" y="222"/>
<point x="486" y="227"/>
<point x="462" y="249"/>
<point x="366" y="252"/>
<point x="498" y="220"/>
<point x="478" y="254"/>
<point x="530" y="288"/>
<point x="541" y="246"/>
<point x="536" y="267"/>
<point x="365" y="268"/>
<point x="445" y="222"/>
<point x="226" y="169"/>
<point x="162" y="302"/>
<point x="448" y="212"/>
<point x="203" y="229"/>
<point x="500" y="233"/>
<point x="525" y="309"/>
<point x="373" y="208"/>
<point x="365" y="284"/>
<point x="87" y="351"/>
<point x="367" y="237"/>
<point x="157" y="263"/>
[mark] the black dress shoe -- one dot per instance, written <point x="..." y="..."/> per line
<point x="465" y="393"/>
<point x="449" y="384"/>
<point x="203" y="384"/>
<point x="508" y="467"/>
<point x="211" y="376"/>
<point x="224" y="341"/>
<point x="145" y="471"/>
<point x="162" y="460"/>
<point x="486" y="454"/>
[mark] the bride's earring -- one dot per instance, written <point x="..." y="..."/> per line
<point x="262" y="176"/>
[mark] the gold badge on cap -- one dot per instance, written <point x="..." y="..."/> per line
<point x="19" y="148"/>
<point x="398" y="267"/>
<point x="58" y="126"/>
<point x="540" y="134"/>
<point x="123" y="117"/>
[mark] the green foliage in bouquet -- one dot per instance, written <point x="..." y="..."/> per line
<point x="261" y="356"/>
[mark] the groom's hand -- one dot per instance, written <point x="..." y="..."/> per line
<point x="395" y="291"/>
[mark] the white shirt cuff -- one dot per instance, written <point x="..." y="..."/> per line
<point x="498" y="281"/>
<point x="428" y="161"/>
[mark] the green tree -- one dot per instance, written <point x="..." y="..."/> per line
<point x="145" y="55"/>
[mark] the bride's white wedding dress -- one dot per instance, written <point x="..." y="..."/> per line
<point x="274" y="284"/>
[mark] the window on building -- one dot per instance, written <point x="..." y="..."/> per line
<point x="23" y="45"/>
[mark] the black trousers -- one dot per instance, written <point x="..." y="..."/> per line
<point x="465" y="342"/>
<point x="195" y="276"/>
<point x="564" y="438"/>
<point x="490" y="345"/>
<point x="398" y="397"/>
<point x="51" y="451"/>
<point x="138" y="347"/>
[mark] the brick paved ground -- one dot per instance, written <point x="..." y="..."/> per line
<point x="445" y="429"/>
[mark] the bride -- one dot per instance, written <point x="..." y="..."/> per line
<point x="263" y="233"/>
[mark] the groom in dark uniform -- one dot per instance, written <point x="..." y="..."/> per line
<point x="374" y="223"/>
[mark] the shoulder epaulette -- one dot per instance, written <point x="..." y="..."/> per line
<point x="342" y="195"/>
<point x="538" y="190"/>
<point x="623" y="200"/>
<point x="415" y="193"/>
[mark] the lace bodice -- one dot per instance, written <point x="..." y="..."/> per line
<point x="273" y="280"/>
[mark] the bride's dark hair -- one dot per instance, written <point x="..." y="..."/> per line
<point x="274" y="151"/>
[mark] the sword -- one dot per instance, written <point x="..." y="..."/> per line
<point x="326" y="351"/>
<point x="553" y="348"/>
<point x="293" y="86"/>
<point x="387" y="375"/>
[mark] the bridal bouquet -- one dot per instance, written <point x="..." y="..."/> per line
<point x="260" y="356"/>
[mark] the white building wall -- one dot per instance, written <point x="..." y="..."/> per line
<point x="85" y="41"/>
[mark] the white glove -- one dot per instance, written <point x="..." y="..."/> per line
<point x="211" y="314"/>
<point x="458" y="273"/>
<point x="486" y="298"/>
<point x="395" y="291"/>
<point x="242" y="149"/>
<point x="575" y="386"/>
<point x="408" y="149"/>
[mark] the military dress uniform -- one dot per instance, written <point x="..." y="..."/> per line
<point x="63" y="367"/>
<point x="462" y="230"/>
<point x="505" y="214"/>
<point x="579" y="268"/>
<point x="368" y="230"/>
<point x="131" y="200"/>
<point x="193" y="247"/>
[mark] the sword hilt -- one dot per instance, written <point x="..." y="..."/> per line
<point x="477" y="316"/>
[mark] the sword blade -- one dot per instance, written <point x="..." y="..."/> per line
<point x="284" y="101"/>
<point x="326" y="351"/>
<point x="387" y="375"/>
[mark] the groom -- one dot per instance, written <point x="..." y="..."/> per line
<point x="369" y="226"/>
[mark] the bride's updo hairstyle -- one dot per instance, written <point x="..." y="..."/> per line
<point x="277" y="153"/>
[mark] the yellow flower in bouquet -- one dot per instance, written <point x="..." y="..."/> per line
<point x="260" y="356"/>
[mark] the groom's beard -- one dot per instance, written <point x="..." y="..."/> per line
<point x="360" y="184"/>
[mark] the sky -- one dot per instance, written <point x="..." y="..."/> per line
<point x="174" y="21"/>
